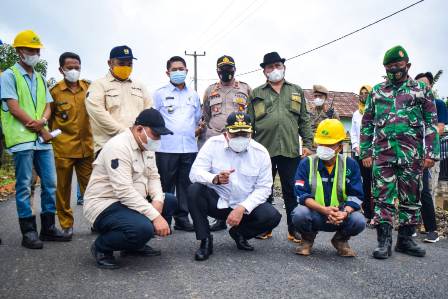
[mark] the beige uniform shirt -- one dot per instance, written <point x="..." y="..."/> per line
<point x="123" y="173"/>
<point x="220" y="101"/>
<point x="113" y="106"/>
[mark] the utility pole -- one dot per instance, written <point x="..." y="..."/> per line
<point x="195" y="56"/>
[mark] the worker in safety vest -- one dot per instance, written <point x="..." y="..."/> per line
<point x="329" y="190"/>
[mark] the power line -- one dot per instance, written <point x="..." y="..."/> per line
<point x="342" y="37"/>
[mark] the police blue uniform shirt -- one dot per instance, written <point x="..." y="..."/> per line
<point x="9" y="91"/>
<point x="442" y="112"/>
<point x="181" y="110"/>
<point x="353" y="183"/>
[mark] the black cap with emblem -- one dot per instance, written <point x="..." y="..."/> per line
<point x="225" y="60"/>
<point x="239" y="122"/>
<point x="153" y="119"/>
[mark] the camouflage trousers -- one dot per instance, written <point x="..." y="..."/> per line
<point x="397" y="188"/>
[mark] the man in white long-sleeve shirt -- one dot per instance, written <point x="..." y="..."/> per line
<point x="124" y="199"/>
<point x="232" y="179"/>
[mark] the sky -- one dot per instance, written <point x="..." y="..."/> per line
<point x="243" y="29"/>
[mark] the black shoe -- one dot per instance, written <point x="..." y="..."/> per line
<point x="384" y="236"/>
<point x="93" y="230"/>
<point x="68" y="232"/>
<point x="103" y="261"/>
<point x="218" y="225"/>
<point x="241" y="242"/>
<point x="405" y="242"/>
<point x="30" y="237"/>
<point x="205" y="250"/>
<point x="183" y="224"/>
<point x="49" y="231"/>
<point x="144" y="251"/>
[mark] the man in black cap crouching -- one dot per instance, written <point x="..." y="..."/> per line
<point x="232" y="179"/>
<point x="124" y="199"/>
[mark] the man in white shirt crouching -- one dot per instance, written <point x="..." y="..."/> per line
<point x="232" y="179"/>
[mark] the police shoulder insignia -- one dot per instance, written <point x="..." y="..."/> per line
<point x="114" y="163"/>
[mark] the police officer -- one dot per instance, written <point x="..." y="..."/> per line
<point x="279" y="114"/>
<point x="231" y="181"/>
<point x="114" y="101"/>
<point x="329" y="189"/>
<point x="400" y="116"/>
<point x="124" y="199"/>
<point x="73" y="149"/>
<point x="321" y="110"/>
<point x="220" y="99"/>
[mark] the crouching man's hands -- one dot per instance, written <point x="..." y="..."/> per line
<point x="161" y="227"/>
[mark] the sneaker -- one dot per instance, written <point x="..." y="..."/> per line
<point x="414" y="235"/>
<point x="432" y="237"/>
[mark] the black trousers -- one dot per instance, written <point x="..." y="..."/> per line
<point x="427" y="209"/>
<point x="203" y="202"/>
<point x="174" y="170"/>
<point x="286" y="169"/>
<point x="367" y="204"/>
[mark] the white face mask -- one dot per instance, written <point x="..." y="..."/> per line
<point x="319" y="101"/>
<point x="239" y="144"/>
<point x="72" y="75"/>
<point x="325" y="153"/>
<point x="276" y="75"/>
<point x="150" y="145"/>
<point x="30" y="60"/>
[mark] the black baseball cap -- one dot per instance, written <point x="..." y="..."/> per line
<point x="153" y="119"/>
<point x="121" y="52"/>
<point x="239" y="122"/>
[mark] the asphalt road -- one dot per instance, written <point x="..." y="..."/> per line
<point x="271" y="271"/>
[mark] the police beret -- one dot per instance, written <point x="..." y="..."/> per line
<point x="320" y="88"/>
<point x="395" y="54"/>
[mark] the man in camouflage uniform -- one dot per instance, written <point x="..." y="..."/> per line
<point x="220" y="99"/>
<point x="279" y="114"/>
<point x="399" y="138"/>
<point x="320" y="110"/>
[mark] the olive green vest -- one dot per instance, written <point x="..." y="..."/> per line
<point x="13" y="129"/>
<point x="338" y="191"/>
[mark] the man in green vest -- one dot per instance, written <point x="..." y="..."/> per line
<point x="24" y="114"/>
<point x="329" y="190"/>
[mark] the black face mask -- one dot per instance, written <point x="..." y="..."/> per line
<point x="226" y="75"/>
<point x="396" y="74"/>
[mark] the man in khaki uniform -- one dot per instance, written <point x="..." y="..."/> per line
<point x="221" y="99"/>
<point x="321" y="110"/>
<point x="114" y="101"/>
<point x="74" y="147"/>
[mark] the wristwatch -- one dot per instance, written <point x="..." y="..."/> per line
<point x="45" y="121"/>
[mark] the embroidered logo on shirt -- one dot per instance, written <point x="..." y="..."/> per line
<point x="114" y="163"/>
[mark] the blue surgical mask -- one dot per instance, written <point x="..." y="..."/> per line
<point x="178" y="77"/>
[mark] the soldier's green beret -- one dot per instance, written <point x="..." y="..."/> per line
<point x="395" y="54"/>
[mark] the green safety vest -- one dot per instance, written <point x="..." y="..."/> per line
<point x="317" y="190"/>
<point x="13" y="129"/>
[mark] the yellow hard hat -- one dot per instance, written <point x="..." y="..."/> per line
<point x="329" y="131"/>
<point x="27" y="39"/>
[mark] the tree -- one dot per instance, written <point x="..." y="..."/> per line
<point x="9" y="56"/>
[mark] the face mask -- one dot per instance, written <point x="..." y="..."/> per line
<point x="122" y="72"/>
<point x="71" y="75"/>
<point x="325" y="153"/>
<point x="319" y="101"/>
<point x="150" y="145"/>
<point x="178" y="77"/>
<point x="239" y="144"/>
<point x="30" y="60"/>
<point x="225" y="75"/>
<point x="276" y="75"/>
<point x="396" y="74"/>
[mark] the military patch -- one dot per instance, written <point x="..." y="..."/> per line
<point x="348" y="172"/>
<point x="114" y="163"/>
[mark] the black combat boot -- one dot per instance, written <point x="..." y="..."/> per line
<point x="49" y="231"/>
<point x="384" y="235"/>
<point x="29" y="232"/>
<point x="405" y="242"/>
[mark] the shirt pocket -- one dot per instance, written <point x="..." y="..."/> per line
<point x="112" y="99"/>
<point x="248" y="177"/>
<point x="216" y="106"/>
<point x="295" y="103"/>
<point x="260" y="106"/>
<point x="137" y="95"/>
<point x="64" y="111"/>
